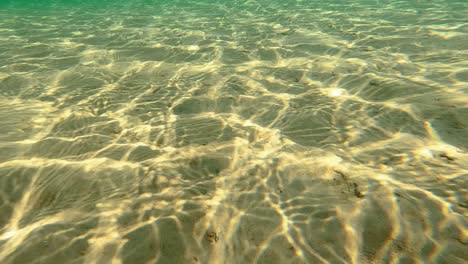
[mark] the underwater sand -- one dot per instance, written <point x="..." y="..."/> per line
<point x="234" y="132"/>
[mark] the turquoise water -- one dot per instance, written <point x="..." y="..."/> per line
<point x="257" y="131"/>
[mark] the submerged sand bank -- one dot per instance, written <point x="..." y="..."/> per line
<point x="218" y="133"/>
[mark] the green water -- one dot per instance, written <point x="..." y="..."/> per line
<point x="257" y="131"/>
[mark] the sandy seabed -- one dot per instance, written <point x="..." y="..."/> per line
<point x="234" y="132"/>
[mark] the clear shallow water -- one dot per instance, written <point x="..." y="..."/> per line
<point x="233" y="132"/>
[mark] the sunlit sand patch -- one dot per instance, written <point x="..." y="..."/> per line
<point x="3" y="75"/>
<point x="336" y="92"/>
<point x="13" y="113"/>
<point x="8" y="235"/>
<point x="117" y="27"/>
<point x="193" y="48"/>
<point x="427" y="153"/>
<point x="68" y="43"/>
<point x="448" y="35"/>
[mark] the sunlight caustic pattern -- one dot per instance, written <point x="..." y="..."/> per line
<point x="234" y="132"/>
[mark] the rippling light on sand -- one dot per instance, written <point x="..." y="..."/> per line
<point x="259" y="131"/>
<point x="8" y="235"/>
<point x="427" y="153"/>
<point x="336" y="92"/>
